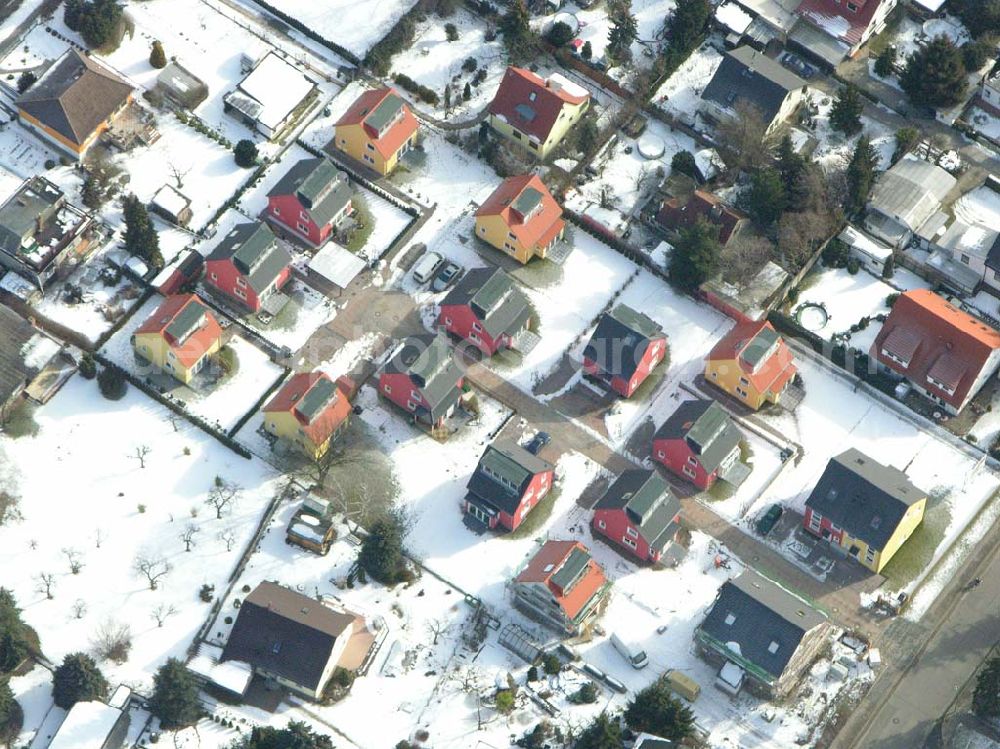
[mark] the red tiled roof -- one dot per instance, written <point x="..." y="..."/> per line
<point x="324" y="423"/>
<point x="675" y="214"/>
<point x="830" y="15"/>
<point x="515" y="91"/>
<point x="938" y="340"/>
<point x="194" y="346"/>
<point x="773" y="373"/>
<point x="396" y="136"/>
<point x="542" y="227"/>
<point x="547" y="562"/>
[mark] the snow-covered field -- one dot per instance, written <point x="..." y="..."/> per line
<point x="84" y="490"/>
<point x="680" y="94"/>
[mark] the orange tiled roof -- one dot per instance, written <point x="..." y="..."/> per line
<point x="194" y="346"/>
<point x="546" y="563"/>
<point x="773" y="373"/>
<point x="323" y="424"/>
<point x="542" y="227"/>
<point x="396" y="136"/>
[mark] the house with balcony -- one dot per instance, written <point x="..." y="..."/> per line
<point x="864" y="509"/>
<point x="376" y="130"/>
<point x="179" y="338"/>
<point x="521" y="218"/>
<point x="623" y="350"/>
<point x="507" y="484"/>
<point x="700" y="443"/>
<point x="752" y="363"/>
<point x="561" y="587"/>
<point x="248" y="266"/>
<point x="310" y="201"/>
<point x="946" y="354"/>
<point x="639" y="515"/>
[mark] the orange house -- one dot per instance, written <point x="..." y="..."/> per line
<point x="521" y="218"/>
<point x="73" y="102"/>
<point x="752" y="362"/>
<point x="376" y="130"/>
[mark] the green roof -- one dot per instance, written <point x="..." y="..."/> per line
<point x="527" y="201"/>
<point x="759" y="345"/>
<point x="636" y="321"/>
<point x="384" y="112"/>
<point x="316" y="398"/>
<point x="186" y="322"/>
<point x="492" y="292"/>
<point x="254" y="252"/>
<point x="574" y="566"/>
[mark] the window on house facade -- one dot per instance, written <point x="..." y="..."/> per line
<point x="215" y="277"/>
<point x="744" y="382"/>
<point x="628" y="542"/>
<point x="815" y="520"/>
<point x="870" y="555"/>
<point x="447" y="321"/>
<point x="632" y="532"/>
<point x="411" y="405"/>
<point x="601" y="524"/>
<point x="240" y="281"/>
<point x="660" y="454"/>
<point x="741" y="392"/>
<point x="692" y="460"/>
<point x="688" y="472"/>
<point x="387" y="389"/>
<point x="276" y="211"/>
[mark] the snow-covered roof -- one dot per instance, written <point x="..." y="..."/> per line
<point x="932" y="5"/>
<point x="278" y="87"/>
<point x="87" y="725"/>
<point x="336" y="264"/>
<point x="864" y="243"/>
<point x="733" y="17"/>
<point x="234" y="676"/>
<point x="564" y="83"/>
<point x="170" y="200"/>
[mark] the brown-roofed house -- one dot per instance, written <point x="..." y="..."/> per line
<point x="521" y="218"/>
<point x="678" y="213"/>
<point x="377" y="129"/>
<point x="295" y="641"/>
<point x="945" y="353"/>
<point x="73" y="102"/>
<point x="562" y="587"/>
<point x="536" y="112"/>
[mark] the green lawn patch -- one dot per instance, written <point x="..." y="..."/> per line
<point x="21" y="422"/>
<point x="916" y="554"/>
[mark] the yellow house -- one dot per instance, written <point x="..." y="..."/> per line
<point x="309" y="411"/>
<point x="73" y="102"/>
<point x="179" y="338"/>
<point x="376" y="130"/>
<point x="521" y="218"/>
<point x="535" y="112"/>
<point x="864" y="509"/>
<point x="752" y="363"/>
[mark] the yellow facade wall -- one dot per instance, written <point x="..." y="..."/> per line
<point x="154" y="348"/>
<point x="284" y="425"/>
<point x="569" y="116"/>
<point x="725" y="374"/>
<point x="354" y="141"/>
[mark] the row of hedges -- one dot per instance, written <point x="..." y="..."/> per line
<point x="399" y="38"/>
<point x="301" y="27"/>
<point x="427" y="95"/>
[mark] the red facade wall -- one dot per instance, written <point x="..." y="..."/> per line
<point x="461" y="323"/>
<point x="626" y="388"/>
<point x="540" y="485"/>
<point x="287" y="211"/>
<point x="400" y="391"/>
<point x="616" y="525"/>
<point x="674" y="454"/>
<point x="223" y="275"/>
<point x="834" y="536"/>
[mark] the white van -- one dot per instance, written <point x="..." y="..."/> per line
<point x="636" y="657"/>
<point x="427" y="266"/>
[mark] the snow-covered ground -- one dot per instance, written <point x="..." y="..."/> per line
<point x="834" y="148"/>
<point x="979" y="206"/>
<point x="83" y="489"/>
<point x="680" y="94"/>
<point x="985" y="123"/>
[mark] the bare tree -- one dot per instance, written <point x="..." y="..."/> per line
<point x="79" y="608"/>
<point x="45" y="582"/>
<point x="223" y="495"/>
<point x="162" y="612"/>
<point x="152" y="568"/>
<point x="228" y="537"/>
<point x="73" y="557"/>
<point x="317" y="468"/>
<point x="744" y="257"/>
<point x="112" y="641"/>
<point x="743" y="138"/>
<point x="178" y="174"/>
<point x="140" y="454"/>
<point x="188" y="535"/>
<point x="98" y="537"/>
<point x="436" y="628"/>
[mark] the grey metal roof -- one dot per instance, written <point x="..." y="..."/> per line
<point x="255" y="252"/>
<point x="314" y="401"/>
<point x="319" y="186"/>
<point x="187" y="321"/>
<point x="286" y="633"/>
<point x="620" y="340"/>
<point x="384" y="112"/>
<point x="759" y="345"/>
<point x="74" y="96"/>
<point x="748" y="75"/>
<point x="495" y="299"/>
<point x="649" y="503"/>
<point x="15" y="332"/>
<point x="760" y="621"/>
<point x="911" y="191"/>
<point x="527" y="201"/>
<point x="707" y="429"/>
<point x="864" y="497"/>
<point x="571" y="570"/>
<point x="429" y="362"/>
<point x="35" y="201"/>
<point x="503" y="474"/>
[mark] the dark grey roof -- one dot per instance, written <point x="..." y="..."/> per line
<point x="760" y="621"/>
<point x="319" y="186"/>
<point x="572" y="570"/>
<point x="74" y="96"/>
<point x="620" y="340"/>
<point x="865" y="498"/>
<point x="649" y="503"/>
<point x="15" y="332"/>
<point x="748" y="75"/>
<point x="316" y="398"/>
<point x="759" y="345"/>
<point x="503" y="474"/>
<point x="36" y="200"/>
<point x="190" y="318"/>
<point x="385" y="112"/>
<point x="706" y="428"/>
<point x="495" y="299"/>
<point x="286" y="633"/>
<point x="255" y="252"/>
<point x="430" y="364"/>
<point x="993" y="257"/>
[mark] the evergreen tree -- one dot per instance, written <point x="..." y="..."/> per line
<point x="981" y="17"/>
<point x="861" y="175"/>
<point x="78" y="679"/>
<point x="845" y="115"/>
<point x="516" y="32"/>
<point x="245" y="153"/>
<point x="381" y="553"/>
<point x="935" y="74"/>
<point x="986" y="697"/>
<point x="447" y="97"/>
<point x="655" y="710"/>
<point x="683" y="162"/>
<point x="695" y="257"/>
<point x="112" y="383"/>
<point x="10" y="713"/>
<point x="765" y="199"/>
<point x="602" y="733"/>
<point x="906" y="138"/>
<point x="157" y="57"/>
<point x="25" y="81"/>
<point x="13" y="650"/>
<point x="885" y="62"/>
<point x="792" y="167"/>
<point x="467" y="92"/>
<point x="560" y="34"/>
<point x="588" y="51"/>
<point x="10" y="612"/>
<point x="889" y="269"/>
<point x="175" y="696"/>
<point x="976" y="53"/>
<point x="295" y="736"/>
<point x="141" y="238"/>
<point x="98" y="21"/>
<point x="71" y="13"/>
<point x="688" y="23"/>
<point x="623" y="31"/>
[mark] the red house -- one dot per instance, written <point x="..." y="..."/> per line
<point x="624" y="349"/>
<point x="700" y="442"/>
<point x="310" y="201"/>
<point x="248" y="265"/>
<point x="639" y="514"/>
<point x="487" y="309"/>
<point x="831" y="30"/>
<point x="508" y="482"/>
<point x="423" y="379"/>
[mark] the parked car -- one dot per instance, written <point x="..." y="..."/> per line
<point x="797" y="65"/>
<point x="634" y="655"/>
<point x="769" y="519"/>
<point x="540" y="440"/>
<point x="448" y="275"/>
<point x="425" y="268"/>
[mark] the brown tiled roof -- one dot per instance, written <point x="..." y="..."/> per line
<point x="534" y="116"/>
<point x="75" y="96"/>
<point x="676" y="213"/>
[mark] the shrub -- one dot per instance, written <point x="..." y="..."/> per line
<point x="853" y="266"/>
<point x="451" y="32"/>
<point x="78" y="679"/>
<point x="793" y="295"/>
<point x="585" y="695"/>
<point x="157" y="57"/>
<point x="836" y="254"/>
<point x="975" y="54"/>
<point x="207" y="593"/>
<point x="505" y="701"/>
<point x="885" y="62"/>
<point x="245" y="154"/>
<point x="25" y="81"/>
<point x="551" y="664"/>
<point x="112" y="384"/>
<point x="113" y="641"/>
<point x="588" y="50"/>
<point x="87" y="368"/>
<point x="382" y="551"/>
<point x="655" y="710"/>
<point x="560" y="34"/>
<point x="470" y="64"/>
<point x="684" y="162"/>
<point x="891" y="299"/>
<point x="51" y="164"/>
<point x="533" y="673"/>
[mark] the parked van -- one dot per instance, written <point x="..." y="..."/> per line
<point x="427" y="266"/>
<point x="684" y="685"/>
<point x="635" y="656"/>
